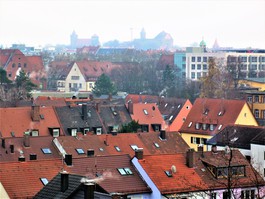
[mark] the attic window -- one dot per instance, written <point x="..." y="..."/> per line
<point x="197" y="126"/>
<point x="44" y="181"/>
<point x="134" y="147"/>
<point x="168" y="173"/>
<point x="145" y="112"/>
<point x="46" y="151"/>
<point x="13" y="134"/>
<point x="117" y="148"/>
<point x="211" y="127"/>
<point x="125" y="171"/>
<point x="34" y="133"/>
<point x="80" y="151"/>
<point x="55" y="132"/>
<point x="190" y="124"/>
<point x="204" y="126"/>
<point x="156" y="145"/>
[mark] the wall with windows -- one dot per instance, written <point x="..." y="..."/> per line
<point x="258" y="158"/>
<point x="75" y="80"/>
<point x="194" y="140"/>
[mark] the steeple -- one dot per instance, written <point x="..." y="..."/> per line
<point x="216" y="45"/>
<point x="143" y="34"/>
<point x="73" y="39"/>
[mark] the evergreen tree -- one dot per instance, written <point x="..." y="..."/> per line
<point x="131" y="127"/>
<point x="104" y="86"/>
<point x="24" y="86"/>
<point x="3" y="77"/>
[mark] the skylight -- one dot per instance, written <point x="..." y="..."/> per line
<point x="134" y="147"/>
<point x="220" y="126"/>
<point x="46" y="150"/>
<point x="80" y="151"/>
<point x="168" y="173"/>
<point x="171" y="117"/>
<point x="117" y="148"/>
<point x="44" y="181"/>
<point x="156" y="145"/>
<point x="145" y="112"/>
<point x="125" y="171"/>
<point x="101" y="149"/>
<point x="190" y="124"/>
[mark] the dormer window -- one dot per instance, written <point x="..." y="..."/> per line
<point x="34" y="133"/>
<point x="55" y="132"/>
<point x="211" y="127"/>
<point x="197" y="126"/>
<point x="73" y="132"/>
<point x="204" y="126"/>
<point x="170" y="117"/>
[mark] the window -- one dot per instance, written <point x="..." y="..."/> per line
<point x="145" y="112"/>
<point x="73" y="132"/>
<point x="197" y="126"/>
<point x="183" y="59"/>
<point x="25" y="65"/>
<point x="34" y="133"/>
<point x="199" y="59"/>
<point x="192" y="75"/>
<point x="117" y="148"/>
<point x="46" y="150"/>
<point x="74" y="77"/>
<point x="211" y="127"/>
<point x="220" y="126"/>
<point x="199" y="75"/>
<point x="190" y="124"/>
<point x="248" y="194"/>
<point x="204" y="59"/>
<point x="13" y="65"/>
<point x="262" y="59"/>
<point x="203" y="140"/>
<point x="263" y="114"/>
<point x="249" y="98"/>
<point x="254" y="59"/>
<point x="225" y="195"/>
<point x="19" y="65"/>
<point x="204" y="67"/>
<point x="256" y="98"/>
<point x="256" y="113"/>
<point x="90" y="85"/>
<point x="156" y="145"/>
<point x="213" y="196"/>
<point x="98" y="131"/>
<point x="56" y="132"/>
<point x="193" y="66"/>
<point x="204" y="126"/>
<point x="80" y="151"/>
<point x="253" y="67"/>
<point x="183" y="66"/>
<point x="168" y="173"/>
<point x="125" y="171"/>
<point x="193" y="59"/>
<point x="243" y="59"/>
<point x="80" y="85"/>
<point x="70" y="85"/>
<point x="44" y="181"/>
<point x="86" y="130"/>
<point x="134" y="147"/>
<point x="199" y="66"/>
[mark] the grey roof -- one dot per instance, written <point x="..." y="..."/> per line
<point x="53" y="188"/>
<point x="238" y="136"/>
<point x="72" y="117"/>
<point x="260" y="138"/>
<point x="114" y="115"/>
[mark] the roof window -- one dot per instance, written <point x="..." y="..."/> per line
<point x="156" y="145"/>
<point x="125" y="171"/>
<point x="134" y="147"/>
<point x="80" y="151"/>
<point x="46" y="150"/>
<point x="168" y="173"/>
<point x="145" y="112"/>
<point x="44" y="181"/>
<point x="220" y="126"/>
<point x="117" y="148"/>
<point x="170" y="117"/>
<point x="190" y="124"/>
<point x="101" y="149"/>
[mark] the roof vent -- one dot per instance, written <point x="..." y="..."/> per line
<point x="173" y="169"/>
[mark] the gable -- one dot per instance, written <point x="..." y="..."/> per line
<point x="246" y="117"/>
<point x="75" y="74"/>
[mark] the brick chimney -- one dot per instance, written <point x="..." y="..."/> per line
<point x="163" y="134"/>
<point x="26" y="139"/>
<point x="130" y="107"/>
<point x="35" y="113"/>
<point x="89" y="189"/>
<point x="200" y="150"/>
<point x="190" y="158"/>
<point x="139" y="153"/>
<point x="64" y="181"/>
<point x="84" y="111"/>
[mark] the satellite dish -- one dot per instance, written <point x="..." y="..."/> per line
<point x="173" y="169"/>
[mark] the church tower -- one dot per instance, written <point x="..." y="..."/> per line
<point x="73" y="38"/>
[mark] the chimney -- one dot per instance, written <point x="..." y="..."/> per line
<point x="163" y="134"/>
<point x="11" y="148"/>
<point x="68" y="159"/>
<point x="84" y="111"/>
<point x="89" y="189"/>
<point x="26" y="140"/>
<point x="110" y="97"/>
<point x="64" y="181"/>
<point x="3" y="143"/>
<point x="90" y="153"/>
<point x="35" y="113"/>
<point x="139" y="153"/>
<point x="190" y="158"/>
<point x="32" y="156"/>
<point x="214" y="149"/>
<point x="200" y="150"/>
<point x="21" y="158"/>
<point x="130" y="107"/>
<point x="98" y="107"/>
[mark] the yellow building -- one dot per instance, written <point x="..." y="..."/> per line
<point x="258" y="83"/>
<point x="209" y="116"/>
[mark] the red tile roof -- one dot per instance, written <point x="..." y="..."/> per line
<point x="111" y="180"/>
<point x="207" y="111"/>
<point x="184" y="180"/>
<point x="35" y="147"/>
<point x="49" y="101"/>
<point x="18" y="120"/>
<point x="22" y="179"/>
<point x="147" y="114"/>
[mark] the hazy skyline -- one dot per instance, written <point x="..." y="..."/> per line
<point x="234" y="23"/>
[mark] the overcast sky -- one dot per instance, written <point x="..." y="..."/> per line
<point x="235" y="23"/>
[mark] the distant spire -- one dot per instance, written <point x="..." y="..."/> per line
<point x="216" y="45"/>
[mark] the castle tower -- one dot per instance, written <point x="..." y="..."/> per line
<point x="73" y="39"/>
<point x="143" y="34"/>
<point x="203" y="45"/>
